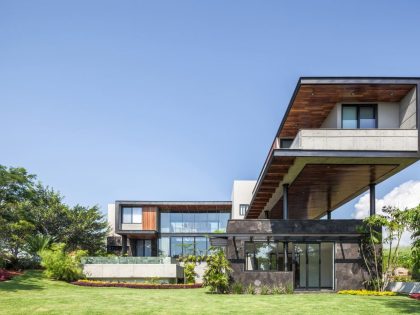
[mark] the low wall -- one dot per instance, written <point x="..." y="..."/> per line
<point x="133" y="271"/>
<point x="404" y="287"/>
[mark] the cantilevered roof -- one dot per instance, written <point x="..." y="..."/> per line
<point x="324" y="180"/>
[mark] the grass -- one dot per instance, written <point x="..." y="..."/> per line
<point x="31" y="294"/>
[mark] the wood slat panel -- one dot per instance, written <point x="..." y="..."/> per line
<point x="320" y="187"/>
<point x="149" y="218"/>
<point x="313" y="102"/>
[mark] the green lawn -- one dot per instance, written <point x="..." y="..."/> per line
<point x="33" y="294"/>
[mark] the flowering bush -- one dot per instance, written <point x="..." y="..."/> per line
<point x="7" y="275"/>
<point x="415" y="296"/>
<point x="96" y="283"/>
<point x="367" y="292"/>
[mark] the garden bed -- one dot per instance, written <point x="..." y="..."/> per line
<point x="95" y="283"/>
<point x="8" y="274"/>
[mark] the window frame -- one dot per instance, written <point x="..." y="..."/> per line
<point x="358" y="106"/>
<point x="131" y="215"/>
<point x="241" y="205"/>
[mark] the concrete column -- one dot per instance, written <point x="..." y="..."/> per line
<point x="124" y="244"/>
<point x="285" y="255"/>
<point x="285" y="202"/>
<point x="372" y="199"/>
<point x="329" y="215"/>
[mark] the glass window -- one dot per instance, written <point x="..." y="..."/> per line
<point x="147" y="248"/>
<point x="165" y="219"/>
<point x="250" y="262"/>
<point x="359" y="116"/>
<point x="188" y="223"/>
<point x="349" y="117"/>
<point x="176" y="222"/>
<point x="367" y="117"/>
<point x="243" y="209"/>
<point x="223" y="221"/>
<point x="126" y="215"/>
<point x="137" y="215"/>
<point x="286" y="143"/>
<point x="264" y="256"/>
<point x="201" y="222"/>
<point x="188" y="246"/>
<point x="213" y="222"/>
<point x="176" y="246"/>
<point x="164" y="247"/>
<point x="201" y="246"/>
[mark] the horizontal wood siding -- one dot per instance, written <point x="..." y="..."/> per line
<point x="150" y="218"/>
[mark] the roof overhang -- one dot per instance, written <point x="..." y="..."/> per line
<point x="321" y="181"/>
<point x="180" y="205"/>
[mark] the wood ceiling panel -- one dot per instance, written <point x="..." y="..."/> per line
<point x="322" y="187"/>
<point x="313" y="102"/>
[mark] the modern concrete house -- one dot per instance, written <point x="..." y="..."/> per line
<point x="338" y="139"/>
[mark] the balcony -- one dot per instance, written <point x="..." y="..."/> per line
<point x="356" y="139"/>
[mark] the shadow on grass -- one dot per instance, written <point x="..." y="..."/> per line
<point x="30" y="280"/>
<point x="404" y="305"/>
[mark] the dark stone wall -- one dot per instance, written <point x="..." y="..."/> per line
<point x="349" y="267"/>
<point x="350" y="273"/>
<point x="303" y="227"/>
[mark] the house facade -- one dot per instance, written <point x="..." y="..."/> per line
<point x="339" y="138"/>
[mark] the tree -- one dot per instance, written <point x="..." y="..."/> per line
<point x="217" y="274"/>
<point x="87" y="230"/>
<point x="395" y="222"/>
<point x="413" y="219"/>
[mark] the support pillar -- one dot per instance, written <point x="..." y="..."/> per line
<point x="124" y="244"/>
<point x="372" y="199"/>
<point x="285" y="255"/>
<point x="285" y="202"/>
<point x="328" y="215"/>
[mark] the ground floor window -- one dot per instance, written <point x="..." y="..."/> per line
<point x="176" y="246"/>
<point x="265" y="256"/>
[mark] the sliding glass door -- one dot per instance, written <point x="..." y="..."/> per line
<point x="314" y="266"/>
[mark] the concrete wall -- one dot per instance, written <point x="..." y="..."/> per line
<point x="356" y="139"/>
<point x="111" y="219"/>
<point x="333" y="120"/>
<point x="408" y="111"/>
<point x="241" y="194"/>
<point x="388" y="115"/>
<point x="404" y="287"/>
<point x="132" y="271"/>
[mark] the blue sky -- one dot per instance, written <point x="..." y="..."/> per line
<point x="173" y="100"/>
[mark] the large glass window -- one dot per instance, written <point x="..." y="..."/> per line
<point x="193" y="222"/>
<point x="359" y="116"/>
<point x="176" y="246"/>
<point x="201" y="246"/>
<point x="131" y="215"/>
<point x="262" y="256"/>
<point x="164" y="247"/>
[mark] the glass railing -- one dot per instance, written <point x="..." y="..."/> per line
<point x="128" y="260"/>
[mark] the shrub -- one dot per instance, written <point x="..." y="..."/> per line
<point x="367" y="292"/>
<point x="60" y="265"/>
<point x="265" y="290"/>
<point x="250" y="289"/>
<point x="402" y="279"/>
<point x="289" y="288"/>
<point x="278" y="290"/>
<point x="216" y="276"/>
<point x="237" y="288"/>
<point x="189" y="272"/>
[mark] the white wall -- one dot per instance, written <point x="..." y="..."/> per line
<point x="111" y="218"/>
<point x="388" y="116"/>
<point x="241" y="194"/>
<point x="127" y="271"/>
<point x="407" y="116"/>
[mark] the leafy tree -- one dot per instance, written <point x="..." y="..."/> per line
<point x="87" y="230"/>
<point x="395" y="222"/>
<point x="217" y="274"/>
<point x="413" y="219"/>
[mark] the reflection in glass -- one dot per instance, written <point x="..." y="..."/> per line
<point x="349" y="117"/>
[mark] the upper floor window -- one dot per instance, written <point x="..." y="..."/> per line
<point x="243" y="209"/>
<point x="286" y="143"/>
<point x="131" y="215"/>
<point x="363" y="116"/>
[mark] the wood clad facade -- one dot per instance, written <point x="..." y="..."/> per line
<point x="150" y="218"/>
